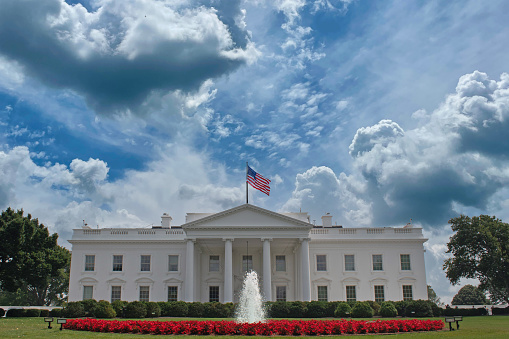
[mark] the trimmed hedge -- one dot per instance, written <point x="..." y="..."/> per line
<point x="56" y="312"/>
<point x="465" y="311"/>
<point x="103" y="309"/>
<point x="16" y="313"/>
<point x="2" y="312"/>
<point x="419" y="308"/>
<point x="343" y="310"/>
<point x="279" y="309"/>
<point x="362" y="309"/>
<point x="74" y="309"/>
<point x="500" y="310"/>
<point x="135" y="309"/>
<point x="153" y="310"/>
<point x="388" y="310"/>
<point x="195" y="309"/>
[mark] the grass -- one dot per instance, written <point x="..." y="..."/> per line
<point x="471" y="327"/>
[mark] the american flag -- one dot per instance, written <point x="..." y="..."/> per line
<point x="257" y="181"/>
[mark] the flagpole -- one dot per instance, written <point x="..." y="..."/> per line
<point x="247" y="198"/>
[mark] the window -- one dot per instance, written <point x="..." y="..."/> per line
<point x="145" y="263"/>
<point x="377" y="262"/>
<point x="349" y="262"/>
<point x="144" y="293"/>
<point x="405" y="262"/>
<point x="172" y="293"/>
<point x="116" y="293"/>
<point x="322" y="293"/>
<point x="214" y="263"/>
<point x="350" y="293"/>
<point x="280" y="263"/>
<point x="88" y="292"/>
<point x="173" y="263"/>
<point x="213" y="293"/>
<point x="379" y="293"/>
<point x="407" y="292"/>
<point x="117" y="263"/>
<point x="247" y="263"/>
<point x="89" y="262"/>
<point x="280" y="293"/>
<point x="321" y="263"/>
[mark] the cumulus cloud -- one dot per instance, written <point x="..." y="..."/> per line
<point x="62" y="196"/>
<point x="319" y="190"/>
<point x="456" y="158"/>
<point x="122" y="53"/>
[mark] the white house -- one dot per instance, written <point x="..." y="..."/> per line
<point x="205" y="259"/>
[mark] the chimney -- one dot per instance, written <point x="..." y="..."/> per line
<point x="327" y="220"/>
<point x="165" y="220"/>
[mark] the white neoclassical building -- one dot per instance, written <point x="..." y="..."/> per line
<point x="206" y="258"/>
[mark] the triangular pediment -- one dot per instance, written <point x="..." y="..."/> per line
<point x="246" y="216"/>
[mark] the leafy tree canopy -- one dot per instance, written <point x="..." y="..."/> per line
<point x="31" y="261"/>
<point x="470" y="295"/>
<point x="480" y="249"/>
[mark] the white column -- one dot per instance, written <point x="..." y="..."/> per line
<point x="267" y="280"/>
<point x="306" y="276"/>
<point x="228" y="271"/>
<point x="189" y="295"/>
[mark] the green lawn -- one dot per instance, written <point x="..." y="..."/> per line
<point x="470" y="327"/>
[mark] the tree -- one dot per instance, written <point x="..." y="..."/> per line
<point x="31" y="260"/>
<point x="433" y="297"/>
<point x="470" y="295"/>
<point x="480" y="249"/>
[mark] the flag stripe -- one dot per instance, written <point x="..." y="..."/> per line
<point x="258" y="181"/>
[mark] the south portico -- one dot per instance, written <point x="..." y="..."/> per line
<point x="221" y="247"/>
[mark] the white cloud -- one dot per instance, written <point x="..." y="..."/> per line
<point x="63" y="196"/>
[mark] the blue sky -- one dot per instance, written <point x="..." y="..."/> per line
<point x="377" y="112"/>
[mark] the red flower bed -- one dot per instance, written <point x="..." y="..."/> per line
<point x="271" y="327"/>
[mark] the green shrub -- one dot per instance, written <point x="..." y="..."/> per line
<point x="331" y="308"/>
<point x="16" y="313"/>
<point x="118" y="307"/>
<point x="176" y="309"/>
<point x="388" y="310"/>
<point x="2" y="312"/>
<point x="153" y="310"/>
<point x="437" y="310"/>
<point x="316" y="309"/>
<point x="401" y="307"/>
<point x="419" y="308"/>
<point x="465" y="311"/>
<point x="57" y="312"/>
<point x="103" y="309"/>
<point x="215" y="310"/>
<point x="375" y="306"/>
<point x="89" y="306"/>
<point x="135" y="309"/>
<point x="343" y="310"/>
<point x="278" y="309"/>
<point x="362" y="310"/>
<point x="44" y="313"/>
<point x="74" y="309"/>
<point x="32" y="312"/>
<point x="230" y="309"/>
<point x="195" y="309"/>
<point x="297" y="309"/>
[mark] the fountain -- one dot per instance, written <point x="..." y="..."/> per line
<point x="250" y="308"/>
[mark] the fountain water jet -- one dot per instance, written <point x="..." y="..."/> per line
<point x="250" y="308"/>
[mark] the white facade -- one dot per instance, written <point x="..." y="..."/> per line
<point x="205" y="259"/>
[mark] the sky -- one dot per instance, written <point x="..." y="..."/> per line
<point x="378" y="112"/>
